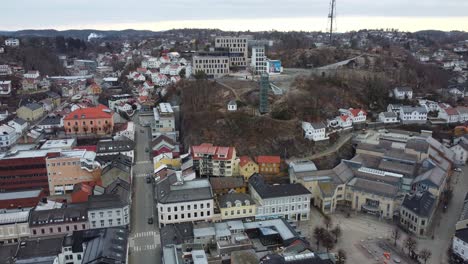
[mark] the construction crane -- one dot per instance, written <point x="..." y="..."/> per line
<point x="332" y="18"/>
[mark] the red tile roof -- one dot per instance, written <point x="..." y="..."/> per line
<point x="99" y="111"/>
<point x="355" y="112"/>
<point x="244" y="160"/>
<point x="344" y="117"/>
<point x="215" y="151"/>
<point x="268" y="159"/>
<point x="451" y="111"/>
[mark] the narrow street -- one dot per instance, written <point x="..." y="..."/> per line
<point x="144" y="239"/>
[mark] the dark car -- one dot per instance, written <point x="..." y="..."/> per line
<point x="148" y="179"/>
<point x="150" y="220"/>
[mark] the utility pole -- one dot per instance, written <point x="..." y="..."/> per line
<point x="332" y="17"/>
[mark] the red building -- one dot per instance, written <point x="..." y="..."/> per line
<point x="21" y="199"/>
<point x="81" y="192"/>
<point x="25" y="170"/>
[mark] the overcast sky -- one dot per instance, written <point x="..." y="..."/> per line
<point x="235" y="15"/>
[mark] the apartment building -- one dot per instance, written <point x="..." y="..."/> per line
<point x="14" y="226"/>
<point x="92" y="120"/>
<point x="108" y="210"/>
<point x="214" y="160"/>
<point x="72" y="167"/>
<point x="8" y="136"/>
<point x="289" y="201"/>
<point x="416" y="212"/>
<point x="164" y="120"/>
<point x="238" y="49"/>
<point x="236" y="206"/>
<point x="269" y="164"/>
<point x="183" y="201"/>
<point x="58" y="221"/>
<point x="25" y="169"/>
<point x="258" y="62"/>
<point x="212" y="66"/>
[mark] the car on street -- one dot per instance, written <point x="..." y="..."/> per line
<point x="150" y="220"/>
<point x="148" y="179"/>
<point x="457" y="169"/>
<point x="146" y="149"/>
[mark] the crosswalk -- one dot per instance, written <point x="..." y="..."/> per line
<point x="144" y="248"/>
<point x="142" y="175"/>
<point x="145" y="234"/>
<point x="143" y="162"/>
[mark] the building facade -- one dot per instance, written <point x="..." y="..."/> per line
<point x="72" y="167"/>
<point x="92" y="120"/>
<point x="58" y="221"/>
<point x="214" y="160"/>
<point x="238" y="49"/>
<point x="212" y="66"/>
<point x="258" y="62"/>
<point x="107" y="210"/>
<point x="164" y="120"/>
<point x="268" y="164"/>
<point x="14" y="226"/>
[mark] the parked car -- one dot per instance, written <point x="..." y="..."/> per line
<point x="146" y="149"/>
<point x="148" y="179"/>
<point x="457" y="169"/>
<point x="150" y="220"/>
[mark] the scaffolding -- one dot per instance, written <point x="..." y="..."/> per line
<point x="264" y="89"/>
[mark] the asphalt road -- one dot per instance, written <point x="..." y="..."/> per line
<point x="144" y="239"/>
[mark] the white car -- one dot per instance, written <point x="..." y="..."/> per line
<point x="457" y="169"/>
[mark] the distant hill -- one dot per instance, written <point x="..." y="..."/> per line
<point x="80" y="33"/>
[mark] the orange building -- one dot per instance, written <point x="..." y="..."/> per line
<point x="70" y="168"/>
<point x="268" y="164"/>
<point x="95" y="120"/>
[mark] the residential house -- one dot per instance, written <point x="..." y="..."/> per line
<point x="357" y="115"/>
<point x="12" y="42"/>
<point x="247" y="167"/>
<point x="413" y="115"/>
<point x="416" y="212"/>
<point x="402" y="93"/>
<point x="460" y="245"/>
<point x="388" y="117"/>
<point x="289" y="201"/>
<point x="71" y="167"/>
<point x="268" y="164"/>
<point x="462" y="114"/>
<point x="94" y="120"/>
<point x="48" y="105"/>
<point x="433" y="180"/>
<point x="461" y="152"/>
<point x="449" y="114"/>
<point x="164" y="144"/>
<point x="232" y="106"/>
<point x="38" y="250"/>
<point x="5" y="88"/>
<point x="117" y="146"/>
<point x="55" y="97"/>
<point x="58" y="221"/>
<point x="315" y="131"/>
<point x="14" y="226"/>
<point x="51" y="123"/>
<point x="31" y="81"/>
<point x="108" y="210"/>
<point x="214" y="160"/>
<point x="183" y="201"/>
<point x="236" y="206"/>
<point x="19" y="125"/>
<point x="164" y="120"/>
<point x="394" y="108"/>
<point x="5" y="70"/>
<point x="344" y="121"/>
<point x="30" y="112"/>
<point x="222" y="185"/>
<point x="8" y="136"/>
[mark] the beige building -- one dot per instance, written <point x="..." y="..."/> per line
<point x="30" y="112"/>
<point x="213" y="66"/>
<point x="238" y="49"/>
<point x="70" y="168"/>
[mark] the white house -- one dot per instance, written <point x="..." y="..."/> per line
<point x="183" y="201"/>
<point x="461" y="152"/>
<point x="288" y="201"/>
<point x="232" y="105"/>
<point x="4" y="115"/>
<point x="314" y="131"/>
<point x="5" y="87"/>
<point x="430" y="106"/>
<point x="107" y="210"/>
<point x="402" y="93"/>
<point x="388" y="117"/>
<point x="12" y="42"/>
<point x="8" y="136"/>
<point x="410" y="114"/>
<point x="20" y="125"/>
<point x="460" y="244"/>
<point x="344" y="121"/>
<point x="394" y="108"/>
<point x="160" y="79"/>
<point x="450" y="115"/>
<point x="462" y="113"/>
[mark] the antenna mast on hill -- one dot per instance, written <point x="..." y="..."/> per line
<point x="332" y="18"/>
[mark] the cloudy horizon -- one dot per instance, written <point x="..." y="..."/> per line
<point x="241" y="15"/>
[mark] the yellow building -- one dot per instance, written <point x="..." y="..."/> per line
<point x="30" y="112"/>
<point x="167" y="159"/>
<point x="247" y="167"/>
<point x="236" y="206"/>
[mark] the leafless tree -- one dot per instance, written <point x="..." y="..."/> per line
<point x="425" y="255"/>
<point x="396" y="235"/>
<point x="410" y="243"/>
<point x="318" y="235"/>
<point x="341" y="257"/>
<point x="336" y="232"/>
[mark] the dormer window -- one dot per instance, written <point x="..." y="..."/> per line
<point x="228" y="204"/>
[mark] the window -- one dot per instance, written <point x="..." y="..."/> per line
<point x="78" y="256"/>
<point x="102" y="223"/>
<point x="110" y="222"/>
<point x="93" y="215"/>
<point x="93" y="223"/>
<point x="169" y="217"/>
<point x="195" y="214"/>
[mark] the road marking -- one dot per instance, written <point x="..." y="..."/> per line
<point x="145" y="247"/>
<point x="143" y="162"/>
<point x="145" y="234"/>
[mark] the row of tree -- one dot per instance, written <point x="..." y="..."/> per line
<point x="411" y="245"/>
